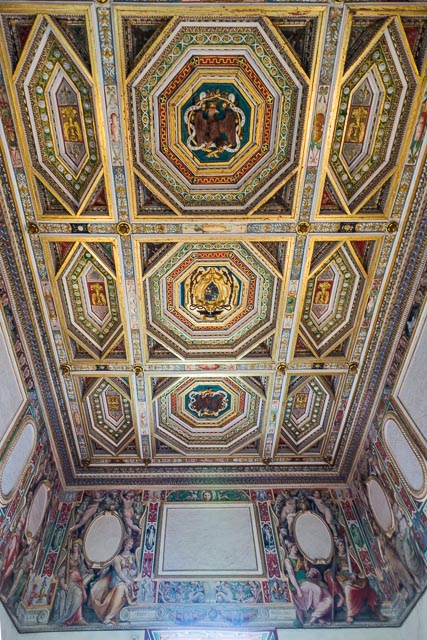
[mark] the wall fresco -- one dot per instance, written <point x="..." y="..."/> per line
<point x="363" y="575"/>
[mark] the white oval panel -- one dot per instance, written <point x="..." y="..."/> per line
<point x="17" y="460"/>
<point x="379" y="504"/>
<point x="404" y="456"/>
<point x="103" y="538"/>
<point x="313" y="537"/>
<point x="38" y="508"/>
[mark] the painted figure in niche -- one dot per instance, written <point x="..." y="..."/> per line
<point x="407" y="547"/>
<point x="351" y="586"/>
<point x="267" y="536"/>
<point x="114" y="127"/>
<point x="356" y="125"/>
<point x="74" y="576"/>
<point x="71" y="125"/>
<point x="310" y="595"/>
<point x="150" y="537"/>
<point x="116" y="586"/>
<point x="318" y="126"/>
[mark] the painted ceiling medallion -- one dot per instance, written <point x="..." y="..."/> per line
<point x="207" y="402"/>
<point x="214" y="124"/>
<point x="211" y="291"/>
<point x="201" y="299"/>
<point x="217" y="110"/>
<point x="213" y="415"/>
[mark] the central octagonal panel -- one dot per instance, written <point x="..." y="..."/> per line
<point x="212" y="298"/>
<point x="217" y="108"/>
<point x="210" y="415"/>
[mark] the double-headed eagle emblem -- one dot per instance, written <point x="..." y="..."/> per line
<point x="214" y="123"/>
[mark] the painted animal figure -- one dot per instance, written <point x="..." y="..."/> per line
<point x="210" y="130"/>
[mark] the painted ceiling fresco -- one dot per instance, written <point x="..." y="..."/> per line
<point x="212" y="206"/>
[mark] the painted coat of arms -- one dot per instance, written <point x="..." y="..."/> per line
<point x="214" y="123"/>
<point x="208" y="402"/>
<point x="210" y="291"/>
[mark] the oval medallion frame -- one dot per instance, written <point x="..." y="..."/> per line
<point x="114" y="545"/>
<point x="320" y="524"/>
<point x="417" y="493"/>
<point x="371" y="482"/>
<point x="38" y="508"/>
<point x="6" y="497"/>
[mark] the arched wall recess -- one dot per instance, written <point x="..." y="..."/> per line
<point x="16" y="460"/>
<point x="404" y="454"/>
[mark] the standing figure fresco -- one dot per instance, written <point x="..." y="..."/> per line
<point x="24" y="564"/>
<point x="116" y="585"/>
<point x="11" y="552"/>
<point x="398" y="572"/>
<point x="74" y="575"/>
<point x="407" y="547"/>
<point x="351" y="585"/>
<point x="311" y="597"/>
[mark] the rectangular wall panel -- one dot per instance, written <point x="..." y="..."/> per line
<point x="209" y="539"/>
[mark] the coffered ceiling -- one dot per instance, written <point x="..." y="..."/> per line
<point x="213" y="206"/>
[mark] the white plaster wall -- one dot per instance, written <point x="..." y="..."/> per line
<point x="410" y="393"/>
<point x="12" y="394"/>
<point x="413" y="629"/>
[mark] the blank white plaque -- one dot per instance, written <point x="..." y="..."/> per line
<point x="313" y="537"/>
<point x="103" y="539"/>
<point x="209" y="540"/>
<point x="378" y="501"/>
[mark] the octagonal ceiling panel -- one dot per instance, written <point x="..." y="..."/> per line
<point x="374" y="104"/>
<point x="218" y="108"/>
<point x="216" y="416"/>
<point x="56" y="91"/>
<point x="201" y="299"/>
